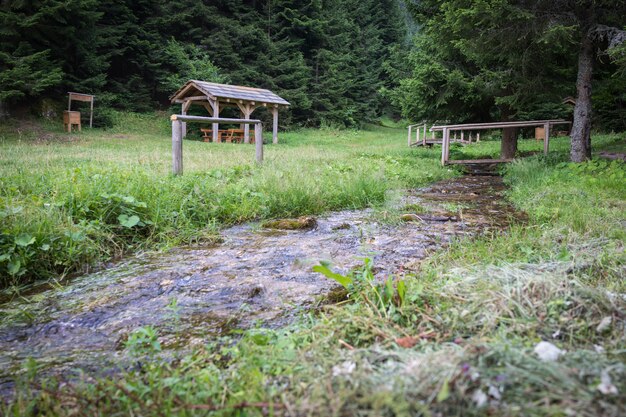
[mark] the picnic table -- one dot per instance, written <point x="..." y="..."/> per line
<point x="226" y="135"/>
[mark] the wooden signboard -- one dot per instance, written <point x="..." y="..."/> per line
<point x="81" y="97"/>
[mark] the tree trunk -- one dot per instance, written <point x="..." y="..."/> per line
<point x="581" y="129"/>
<point x="508" y="146"/>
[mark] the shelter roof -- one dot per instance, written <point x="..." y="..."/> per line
<point x="223" y="92"/>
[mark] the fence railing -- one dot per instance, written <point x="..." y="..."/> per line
<point x="446" y="129"/>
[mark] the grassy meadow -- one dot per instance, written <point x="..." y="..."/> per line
<point x="70" y="201"/>
<point x="455" y="337"/>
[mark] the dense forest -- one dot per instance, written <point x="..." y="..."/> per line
<point x="340" y="62"/>
<point x="326" y="57"/>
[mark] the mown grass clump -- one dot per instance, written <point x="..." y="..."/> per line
<point x="68" y="201"/>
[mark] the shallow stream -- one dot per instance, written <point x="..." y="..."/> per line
<point x="257" y="276"/>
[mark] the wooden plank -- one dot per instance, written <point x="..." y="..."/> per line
<point x="81" y="97"/>
<point x="91" y="116"/>
<point x="478" y="161"/>
<point x="258" y="141"/>
<point x="467" y="126"/>
<point x="201" y="119"/>
<point x="196" y="98"/>
<point x="177" y="147"/>
<point x="498" y="125"/>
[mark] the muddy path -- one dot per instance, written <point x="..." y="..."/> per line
<point x="257" y="276"/>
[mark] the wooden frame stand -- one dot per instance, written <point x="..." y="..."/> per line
<point x="177" y="136"/>
<point x="80" y="97"/>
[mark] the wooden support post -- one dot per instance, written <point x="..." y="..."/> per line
<point x="184" y="109"/>
<point x="258" y="141"/>
<point x="177" y="147"/>
<point x="409" y="136"/>
<point x="478" y="137"/>
<point x="417" y="135"/>
<point x="424" y="133"/>
<point x="69" y="103"/>
<point x="274" y="125"/>
<point x="462" y="136"/>
<point x="445" y="146"/>
<point x="454" y="137"/>
<point x="546" y="142"/>
<point x="216" y="126"/>
<point x="91" y="115"/>
<point x="246" y="127"/>
<point x="470" y="137"/>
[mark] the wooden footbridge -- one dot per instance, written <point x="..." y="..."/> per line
<point x="471" y="127"/>
<point x="425" y="141"/>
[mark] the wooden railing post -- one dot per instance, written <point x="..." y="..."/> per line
<point x="258" y="142"/>
<point x="177" y="147"/>
<point x="546" y="142"/>
<point x="445" y="146"/>
<point x="409" y="136"/>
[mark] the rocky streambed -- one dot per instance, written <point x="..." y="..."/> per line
<point x="257" y="276"/>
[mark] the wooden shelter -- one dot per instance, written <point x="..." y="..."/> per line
<point x="214" y="97"/>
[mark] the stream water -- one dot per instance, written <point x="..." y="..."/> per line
<point x="256" y="276"/>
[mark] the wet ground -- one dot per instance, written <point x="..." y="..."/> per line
<point x="257" y="276"/>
